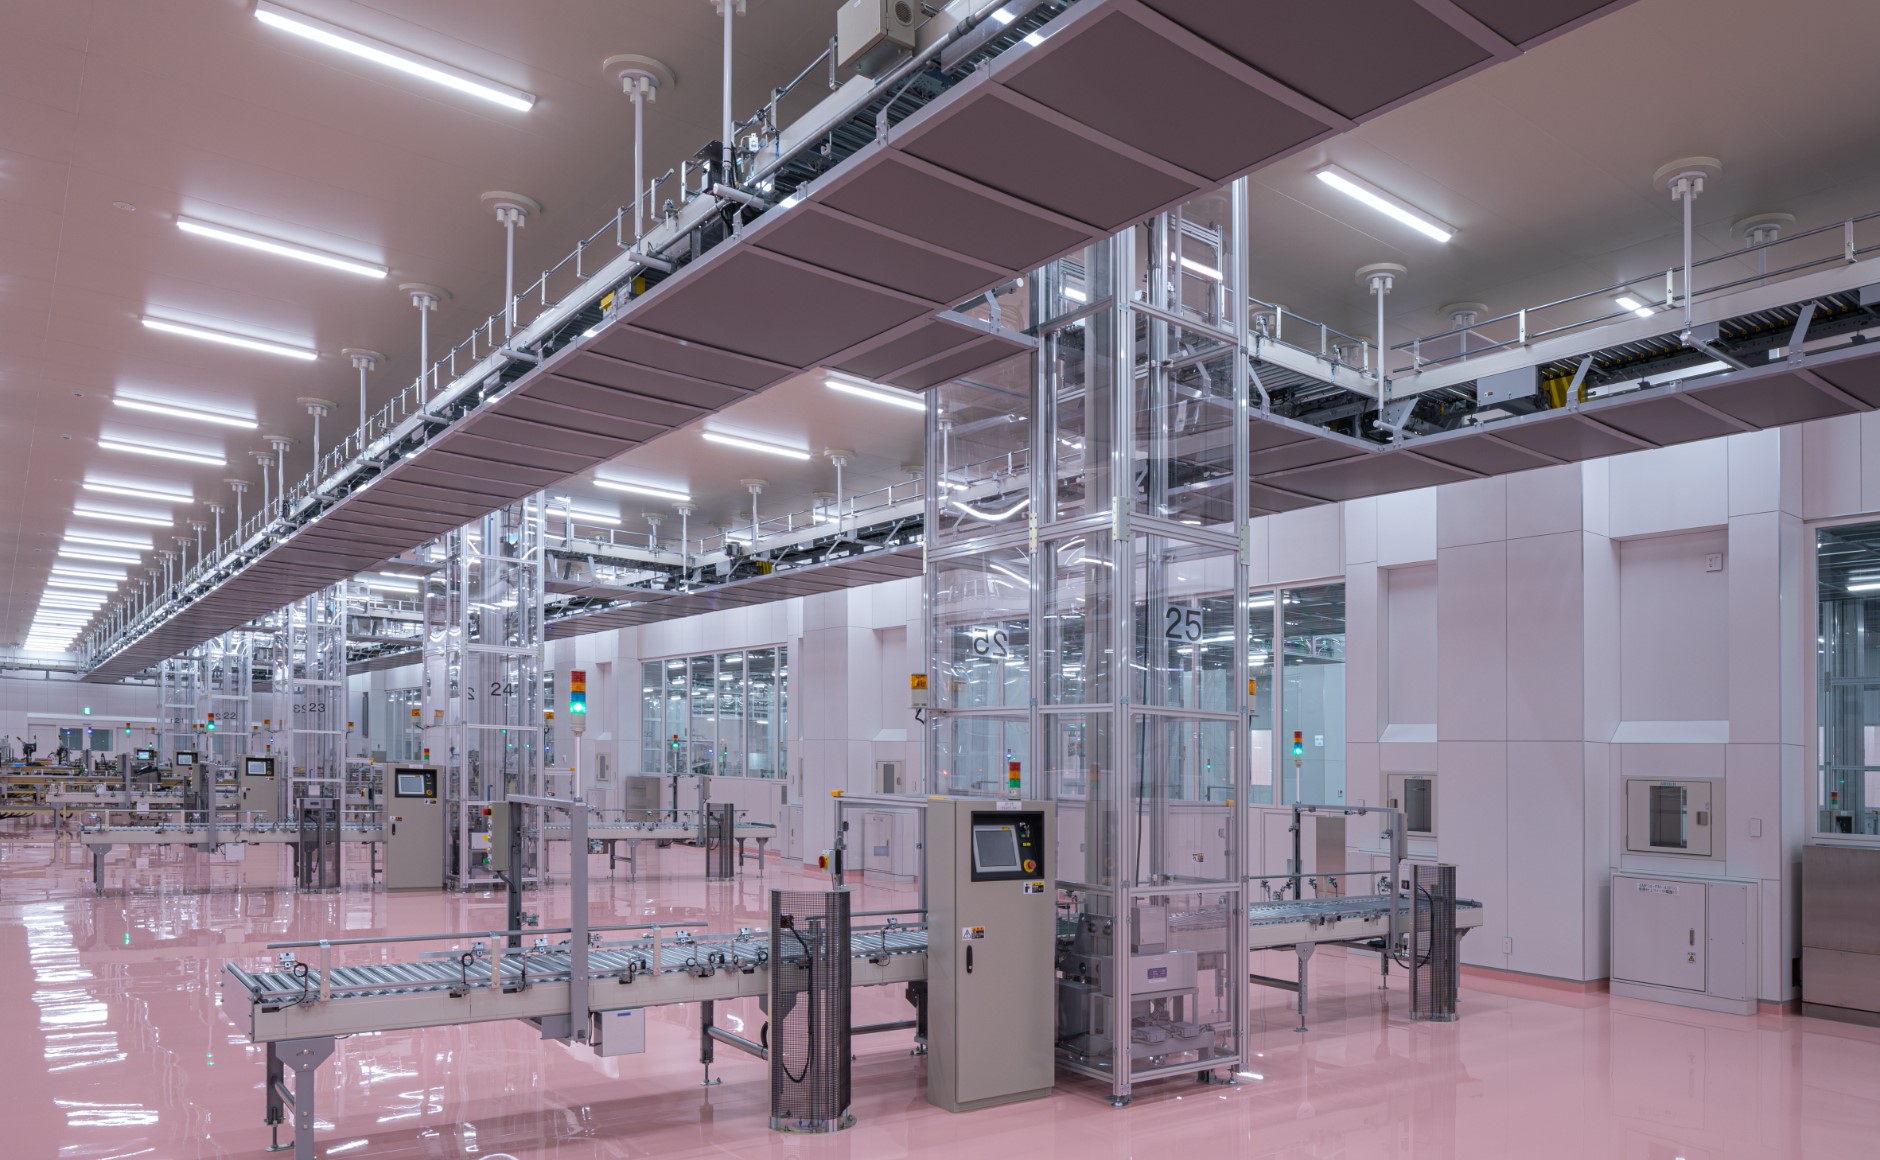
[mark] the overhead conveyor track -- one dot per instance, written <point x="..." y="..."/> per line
<point x="1018" y="144"/>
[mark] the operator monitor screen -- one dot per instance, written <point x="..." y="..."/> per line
<point x="995" y="850"/>
<point x="146" y="755"/>
<point x="260" y="767"/>
<point x="411" y="783"/>
<point x="185" y="758"/>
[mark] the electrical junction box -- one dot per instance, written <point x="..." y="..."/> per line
<point x="1415" y="795"/>
<point x="620" y="1032"/>
<point x="871" y="35"/>
<point x="1689" y="941"/>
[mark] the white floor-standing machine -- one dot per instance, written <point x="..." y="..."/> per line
<point x="413" y="815"/>
<point x="992" y="948"/>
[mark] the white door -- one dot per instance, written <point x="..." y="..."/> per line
<point x="1658" y="929"/>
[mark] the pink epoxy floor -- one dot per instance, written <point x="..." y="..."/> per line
<point x="114" y="1045"/>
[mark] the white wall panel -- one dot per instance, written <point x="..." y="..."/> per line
<point x="1596" y="495"/>
<point x="1670" y="489"/>
<point x="1472" y="657"/>
<point x="1406" y="527"/>
<point x="1361" y="531"/>
<point x="1753" y="567"/>
<point x="1260" y="551"/>
<point x="1546" y="826"/>
<point x="1755" y="471"/>
<point x="1475" y="512"/>
<point x="1674" y="629"/>
<point x="1308" y="544"/>
<point x="1831" y="467"/>
<point x="1410" y="644"/>
<point x="1753" y="780"/>
<point x="1599" y="559"/>
<point x="1545" y="501"/>
<point x="1364" y="653"/>
<point x="1475" y="837"/>
<point x="1599" y="842"/>
<point x="1545" y="637"/>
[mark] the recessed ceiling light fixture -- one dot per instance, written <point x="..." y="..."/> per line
<point x="391" y="585"/>
<point x="581" y="517"/>
<point x="73" y="554"/>
<point x="1874" y="587"/>
<point x="393" y="57"/>
<point x="1388" y="204"/>
<point x="162" y="452"/>
<point x="227" y="339"/>
<point x="107" y="541"/>
<point x="185" y="413"/>
<point x="139" y="492"/>
<point x="87" y="585"/>
<point x="279" y="248"/>
<point x="643" y="489"/>
<point x="123" y="517"/>
<point x="83" y="573"/>
<point x="1627" y="302"/>
<point x="754" y="445"/>
<point x="879" y="394"/>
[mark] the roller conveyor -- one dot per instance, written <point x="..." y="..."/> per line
<point x="658" y="830"/>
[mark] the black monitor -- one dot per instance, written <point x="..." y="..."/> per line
<point x="185" y="758"/>
<point x="258" y="766"/>
<point x="995" y="849"/>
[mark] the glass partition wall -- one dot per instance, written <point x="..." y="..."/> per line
<point x="1088" y="621"/>
<point x="721" y="714"/>
<point x="1847" y="680"/>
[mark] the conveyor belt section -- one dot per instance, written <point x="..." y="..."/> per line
<point x="649" y="831"/>
<point x="158" y="834"/>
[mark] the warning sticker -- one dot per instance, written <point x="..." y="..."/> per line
<point x="1034" y="888"/>
<point x="969" y="933"/>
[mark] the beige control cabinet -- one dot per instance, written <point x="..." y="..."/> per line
<point x="991" y="951"/>
<point x="260" y="790"/>
<point x="412" y="812"/>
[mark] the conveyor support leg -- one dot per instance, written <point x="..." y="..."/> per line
<point x="97" y="868"/>
<point x="1304" y="951"/>
<point x="304" y="1056"/>
<point x="707" y="1014"/>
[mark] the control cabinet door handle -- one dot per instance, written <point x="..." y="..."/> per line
<point x="969" y="959"/>
<point x="1693" y="936"/>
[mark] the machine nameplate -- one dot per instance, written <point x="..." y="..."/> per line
<point x="1007" y="806"/>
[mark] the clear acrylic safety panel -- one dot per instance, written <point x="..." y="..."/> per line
<point x="975" y="753"/>
<point x="983" y="449"/>
<point x="1079" y="763"/>
<point x="981" y="613"/>
<point x="1079" y="613"/>
<point x="1183" y="654"/>
<point x="1313" y="667"/>
<point x="1183" y="798"/>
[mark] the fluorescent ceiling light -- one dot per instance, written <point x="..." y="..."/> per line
<point x="139" y="493"/>
<point x="108" y="541"/>
<point x="185" y="413"/>
<point x="99" y="556"/>
<point x="162" y="452"/>
<point x="279" y="248"/>
<point x="393" y="57"/>
<point x="1627" y="302"/>
<point x="227" y="339"/>
<point x="87" y="585"/>
<point x="992" y="517"/>
<point x="879" y="394"/>
<point x="123" y="517"/>
<point x="1075" y="295"/>
<point x="580" y="516"/>
<point x="643" y="489"/>
<point x="1873" y="587"/>
<point x="754" y="445"/>
<point x="1194" y="267"/>
<point x="94" y="573"/>
<point x="1390" y="206"/>
<point x="391" y="585"/>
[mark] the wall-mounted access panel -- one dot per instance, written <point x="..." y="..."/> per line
<point x="1689" y="941"/>
<point x="1841" y="933"/>
<point x="1672" y="817"/>
<point x="1415" y="795"/>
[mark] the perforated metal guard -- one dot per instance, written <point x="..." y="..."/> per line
<point x="809" y="1011"/>
<point x="1434" y="961"/>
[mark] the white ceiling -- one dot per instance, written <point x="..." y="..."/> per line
<point x="1542" y="164"/>
<point x="194" y="107"/>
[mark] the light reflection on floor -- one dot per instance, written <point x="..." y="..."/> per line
<point x="116" y="1045"/>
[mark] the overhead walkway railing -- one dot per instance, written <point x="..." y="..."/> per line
<point x="692" y="209"/>
<point x="859" y="229"/>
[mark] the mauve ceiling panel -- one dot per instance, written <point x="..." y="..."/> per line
<point x="896" y="196"/>
<point x="932" y="337"/>
<point x="648" y="383"/>
<point x="841" y="245"/>
<point x="1665" y="421"/>
<point x="1772" y="402"/>
<point x="1006" y="148"/>
<point x="1367" y="475"/>
<point x="1079" y="80"/>
<point x="531" y="432"/>
<point x="751" y="301"/>
<point x="1354" y="56"/>
<point x="1565" y="438"/>
<point x="974" y="354"/>
<point x="654" y="416"/>
<point x="682" y="358"/>
<point x="1522" y="20"/>
<point x="1859" y="377"/>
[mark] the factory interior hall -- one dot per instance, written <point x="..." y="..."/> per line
<point x="864" y="578"/>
